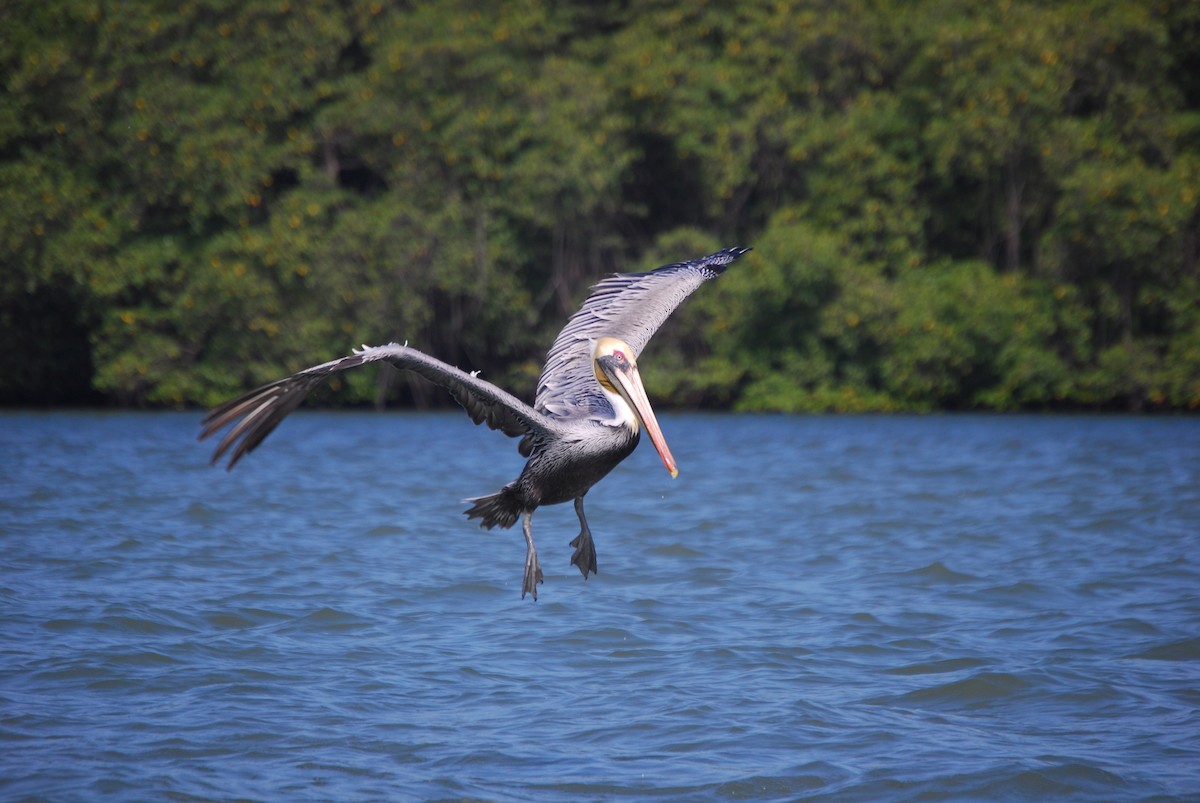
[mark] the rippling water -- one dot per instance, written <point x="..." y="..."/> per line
<point x="865" y="608"/>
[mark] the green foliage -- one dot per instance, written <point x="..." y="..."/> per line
<point x="953" y="204"/>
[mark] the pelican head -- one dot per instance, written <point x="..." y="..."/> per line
<point x="617" y="372"/>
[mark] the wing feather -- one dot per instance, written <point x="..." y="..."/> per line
<point x="629" y="306"/>
<point x="258" y="412"/>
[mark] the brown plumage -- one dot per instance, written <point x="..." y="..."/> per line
<point x="588" y="415"/>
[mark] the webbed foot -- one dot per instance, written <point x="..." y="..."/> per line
<point x="585" y="549"/>
<point x="533" y="575"/>
<point x="585" y="554"/>
<point x="533" y="569"/>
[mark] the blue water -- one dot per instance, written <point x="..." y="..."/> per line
<point x="867" y="608"/>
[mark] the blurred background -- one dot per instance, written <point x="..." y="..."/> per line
<point x="953" y="204"/>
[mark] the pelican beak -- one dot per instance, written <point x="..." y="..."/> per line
<point x="628" y="381"/>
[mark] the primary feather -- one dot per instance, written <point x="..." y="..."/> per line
<point x="628" y="306"/>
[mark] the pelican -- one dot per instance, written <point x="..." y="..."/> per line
<point x="587" y="416"/>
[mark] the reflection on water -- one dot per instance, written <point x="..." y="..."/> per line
<point x="864" y="608"/>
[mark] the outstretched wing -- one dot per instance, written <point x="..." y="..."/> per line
<point x="629" y="306"/>
<point x="261" y="410"/>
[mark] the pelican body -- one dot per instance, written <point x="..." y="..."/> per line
<point x="590" y="409"/>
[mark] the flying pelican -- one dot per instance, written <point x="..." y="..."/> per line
<point x="587" y="417"/>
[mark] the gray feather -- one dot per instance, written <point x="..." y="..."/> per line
<point x="261" y="410"/>
<point x="629" y="306"/>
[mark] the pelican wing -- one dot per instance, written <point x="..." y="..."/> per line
<point x="261" y="410"/>
<point x="629" y="306"/>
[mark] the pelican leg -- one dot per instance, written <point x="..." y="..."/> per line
<point x="585" y="549"/>
<point x="533" y="569"/>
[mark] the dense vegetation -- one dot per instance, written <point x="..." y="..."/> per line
<point x="953" y="203"/>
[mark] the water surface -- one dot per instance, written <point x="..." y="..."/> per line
<point x="867" y="608"/>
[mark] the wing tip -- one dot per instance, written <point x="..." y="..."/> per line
<point x="722" y="259"/>
<point x="714" y="264"/>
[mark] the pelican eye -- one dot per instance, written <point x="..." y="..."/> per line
<point x="619" y="356"/>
